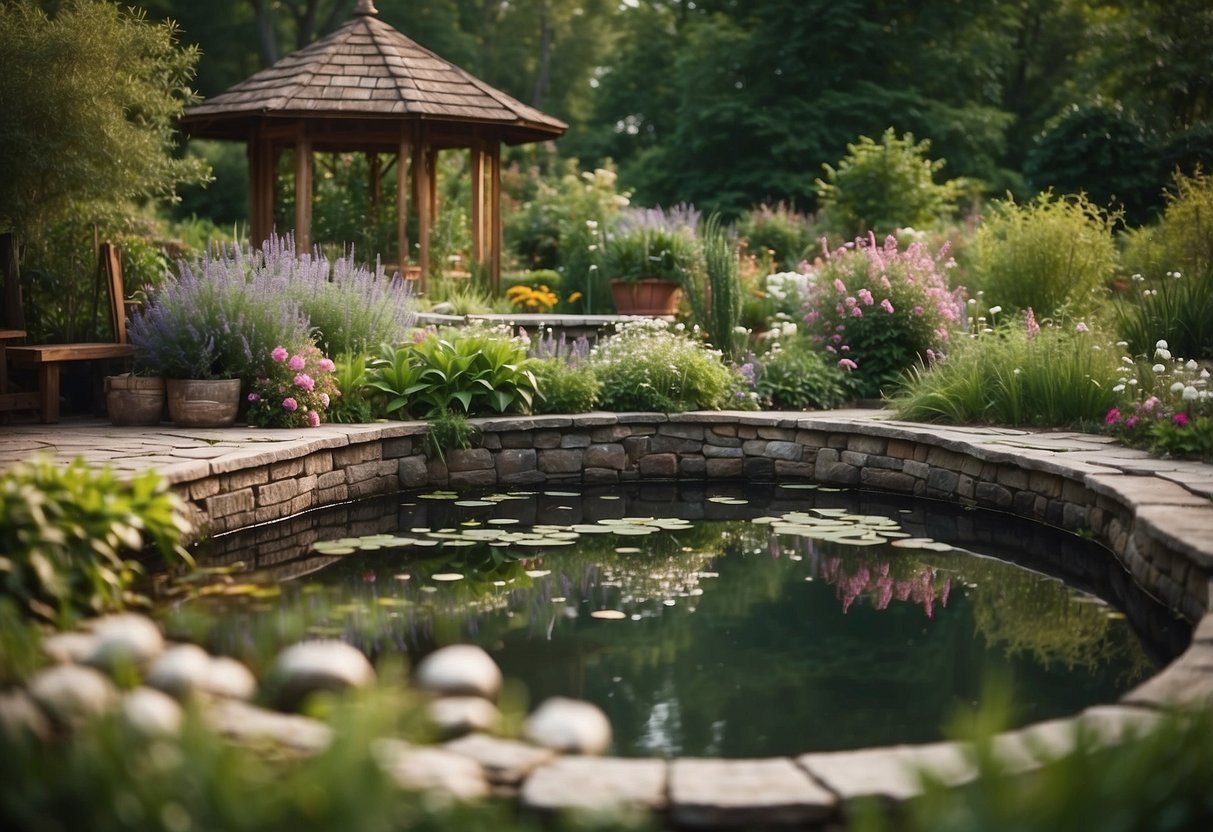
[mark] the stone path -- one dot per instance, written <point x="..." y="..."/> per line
<point x="1136" y="502"/>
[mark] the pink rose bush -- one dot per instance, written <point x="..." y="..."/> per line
<point x="295" y="390"/>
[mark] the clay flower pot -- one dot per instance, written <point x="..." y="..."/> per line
<point x="203" y="403"/>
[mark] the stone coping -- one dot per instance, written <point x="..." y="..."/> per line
<point x="1155" y="515"/>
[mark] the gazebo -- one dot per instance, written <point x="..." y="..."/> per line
<point x="368" y="88"/>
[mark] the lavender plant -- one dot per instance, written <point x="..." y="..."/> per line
<point x="220" y="317"/>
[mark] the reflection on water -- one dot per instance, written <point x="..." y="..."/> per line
<point x="707" y="624"/>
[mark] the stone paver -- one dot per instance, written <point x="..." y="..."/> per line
<point x="745" y="794"/>
<point x="597" y="784"/>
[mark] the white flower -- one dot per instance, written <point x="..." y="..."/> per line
<point x="1161" y="345"/>
<point x="972" y="301"/>
<point x="1120" y="388"/>
<point x="591" y="224"/>
<point x="1159" y="368"/>
<point x="1177" y="387"/>
<point x="1191" y="365"/>
<point x="994" y="310"/>
<point x="789" y="329"/>
<point x="740" y="330"/>
<point x="1122" y="344"/>
<point x="1204" y="373"/>
<point x="1191" y="394"/>
<point x="1162" y="353"/>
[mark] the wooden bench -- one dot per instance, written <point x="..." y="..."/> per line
<point x="47" y="359"/>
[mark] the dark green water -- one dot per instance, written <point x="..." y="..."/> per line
<point x="778" y="622"/>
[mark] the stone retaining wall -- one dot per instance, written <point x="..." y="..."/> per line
<point x="1161" y="531"/>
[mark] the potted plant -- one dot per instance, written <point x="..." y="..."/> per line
<point x="647" y="258"/>
<point x="132" y="399"/>
<point x="210" y="329"/>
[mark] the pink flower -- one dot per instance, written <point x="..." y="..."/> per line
<point x="1131" y="422"/>
<point x="886" y="306"/>
<point x="918" y="310"/>
<point x="313" y="418"/>
<point x="324" y="399"/>
<point x="847" y="364"/>
<point x="866" y="297"/>
<point x="290" y="404"/>
<point x="856" y="311"/>
<point x="253" y="397"/>
<point x="297" y="362"/>
<point x="305" y="382"/>
<point x="1030" y="323"/>
<point x="1180" y="419"/>
<point x="326" y="365"/>
<point x="1149" y="404"/>
<point x="279" y="354"/>
<point x="1112" y="418"/>
<point x="850" y="301"/>
<point x="1081" y="327"/>
<point x="840" y="286"/>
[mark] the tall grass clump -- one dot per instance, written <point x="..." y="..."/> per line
<point x="1169" y="294"/>
<point x="1047" y="254"/>
<point x="649" y="365"/>
<point x="715" y="299"/>
<point x="1018" y="373"/>
<point x="877" y="310"/>
<point x="350" y="308"/>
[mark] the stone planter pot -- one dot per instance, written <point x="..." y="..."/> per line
<point x="203" y="403"/>
<point x="651" y="296"/>
<point x="134" y="400"/>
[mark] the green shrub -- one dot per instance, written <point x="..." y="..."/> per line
<point x="877" y="310"/>
<point x="1046" y="255"/>
<point x="69" y="536"/>
<point x="475" y="371"/>
<point x="1169" y="294"/>
<point x="881" y="186"/>
<point x="650" y="242"/>
<point x="1017" y="374"/>
<point x="565" y="387"/>
<point x="352" y="406"/>
<point x="778" y="236"/>
<point x="795" y="375"/>
<point x="648" y="365"/>
<point x="716" y="296"/>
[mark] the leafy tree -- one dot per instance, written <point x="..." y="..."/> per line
<point x="90" y="97"/>
<point x="884" y="186"/>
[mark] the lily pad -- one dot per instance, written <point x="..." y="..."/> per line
<point x="609" y="615"/>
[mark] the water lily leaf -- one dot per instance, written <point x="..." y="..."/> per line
<point x="503" y="521"/>
<point x="472" y="503"/>
<point x="538" y="573"/>
<point x="439" y="495"/>
<point x="627" y="550"/>
<point x="447" y="576"/>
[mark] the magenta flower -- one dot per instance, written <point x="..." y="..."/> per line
<point x="886" y="306"/>
<point x="253" y="397"/>
<point x="1112" y="418"/>
<point x="840" y="286"/>
<point x="313" y="418"/>
<point x="1030" y="322"/>
<point x="279" y="354"/>
<point x="290" y="404"/>
<point x="856" y="311"/>
<point x="1131" y="422"/>
<point x="297" y="362"/>
<point x="866" y="297"/>
<point x="847" y="364"/>
<point x="326" y="365"/>
<point x="305" y="382"/>
<point x="1180" y="419"/>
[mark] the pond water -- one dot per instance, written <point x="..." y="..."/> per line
<point x="707" y="620"/>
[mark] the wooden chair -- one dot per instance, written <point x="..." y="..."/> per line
<point x="46" y="359"/>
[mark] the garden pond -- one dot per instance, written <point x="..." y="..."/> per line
<point x="705" y="620"/>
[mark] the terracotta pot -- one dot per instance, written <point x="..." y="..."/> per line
<point x="203" y="403"/>
<point x="134" y="400"/>
<point x="647" y="296"/>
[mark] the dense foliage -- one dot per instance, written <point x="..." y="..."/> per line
<point x="71" y="536"/>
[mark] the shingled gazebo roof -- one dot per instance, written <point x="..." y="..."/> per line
<point x="367" y="70"/>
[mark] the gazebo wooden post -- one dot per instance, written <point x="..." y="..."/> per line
<point x="479" y="218"/>
<point x="303" y="190"/>
<point x="422" y="188"/>
<point x="404" y="171"/>
<point x="262" y="163"/>
<point x="495" y="214"/>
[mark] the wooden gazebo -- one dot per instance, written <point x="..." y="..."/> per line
<point x="368" y="88"/>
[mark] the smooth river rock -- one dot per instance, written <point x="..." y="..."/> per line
<point x="455" y="716"/>
<point x="70" y="693"/>
<point x="597" y="784"/>
<point x="186" y="670"/>
<point x="569" y="725"/>
<point x="317" y="666"/>
<point x="151" y="712"/>
<point x="459" y="670"/>
<point x="746" y="794"/>
<point x="124" y="640"/>
<point x="431" y="769"/>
